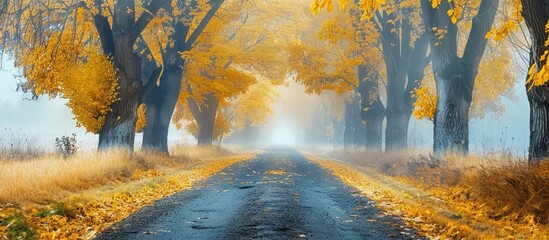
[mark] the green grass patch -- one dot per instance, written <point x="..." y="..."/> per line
<point x="18" y="228"/>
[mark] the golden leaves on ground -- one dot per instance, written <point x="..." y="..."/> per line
<point x="82" y="216"/>
<point x="445" y="214"/>
<point x="275" y="172"/>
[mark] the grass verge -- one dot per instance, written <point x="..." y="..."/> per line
<point x="435" y="212"/>
<point x="105" y="194"/>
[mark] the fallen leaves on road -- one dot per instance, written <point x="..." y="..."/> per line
<point x="83" y="216"/>
<point x="431" y="216"/>
<point x="275" y="172"/>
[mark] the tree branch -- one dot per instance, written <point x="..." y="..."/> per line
<point x="200" y="28"/>
<point x="146" y="17"/>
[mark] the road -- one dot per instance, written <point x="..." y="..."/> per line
<point x="277" y="195"/>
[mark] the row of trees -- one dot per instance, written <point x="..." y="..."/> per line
<point x="439" y="51"/>
<point x="124" y="66"/>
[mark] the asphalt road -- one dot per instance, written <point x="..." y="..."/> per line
<point x="277" y="195"/>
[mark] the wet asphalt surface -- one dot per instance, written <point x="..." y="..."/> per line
<point x="255" y="200"/>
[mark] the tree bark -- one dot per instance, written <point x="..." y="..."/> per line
<point x="205" y="115"/>
<point x="372" y="111"/>
<point x="397" y="49"/>
<point x="348" y="133"/>
<point x="160" y="107"/>
<point x="359" y="124"/>
<point x="118" y="131"/>
<point x="161" y="104"/>
<point x="454" y="75"/>
<point x="536" y="16"/>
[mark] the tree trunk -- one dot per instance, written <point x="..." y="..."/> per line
<point x="118" y="42"/>
<point x="348" y="133"/>
<point x="396" y="132"/>
<point x="536" y="16"/>
<point x="451" y="123"/>
<point x="360" y="125"/>
<point x="160" y="107"/>
<point x="396" y="44"/>
<point x="161" y="104"/>
<point x="205" y="134"/>
<point x="372" y="111"/>
<point x="455" y="76"/>
<point x="339" y="128"/>
<point x="205" y="115"/>
<point x="118" y="131"/>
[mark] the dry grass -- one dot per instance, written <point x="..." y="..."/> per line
<point x="82" y="215"/>
<point x="500" y="186"/>
<point x="50" y="177"/>
<point x="515" y="190"/>
<point x="201" y="152"/>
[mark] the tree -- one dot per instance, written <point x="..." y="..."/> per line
<point x="230" y="57"/>
<point x="117" y="41"/>
<point x="490" y="86"/>
<point x="70" y="31"/>
<point x="536" y="16"/>
<point x="455" y="75"/>
<point x="342" y="57"/>
<point x="403" y="43"/>
<point x="187" y="21"/>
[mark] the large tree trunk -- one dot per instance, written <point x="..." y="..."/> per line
<point x="372" y="109"/>
<point x="161" y="103"/>
<point x="396" y="132"/>
<point x="451" y="123"/>
<point x="160" y="106"/>
<point x="119" y="127"/>
<point x="118" y="131"/>
<point x="536" y="16"/>
<point x="205" y="115"/>
<point x="455" y="76"/>
<point x="396" y="43"/>
<point x="359" y="124"/>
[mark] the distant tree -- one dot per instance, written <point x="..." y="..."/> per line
<point x="240" y="48"/>
<point x="398" y="29"/>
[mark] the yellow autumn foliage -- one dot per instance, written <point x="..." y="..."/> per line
<point x="426" y="104"/>
<point x="539" y="75"/>
<point x="90" y="88"/>
<point x="66" y="68"/>
<point x="141" y="118"/>
<point x="512" y="19"/>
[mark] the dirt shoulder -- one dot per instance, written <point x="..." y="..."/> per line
<point x="84" y="214"/>
<point x="432" y="216"/>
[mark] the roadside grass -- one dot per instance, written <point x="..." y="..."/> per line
<point x="51" y="197"/>
<point x="497" y="188"/>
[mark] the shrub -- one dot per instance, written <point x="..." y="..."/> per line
<point x="66" y="146"/>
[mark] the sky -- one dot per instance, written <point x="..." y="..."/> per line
<point x="45" y="119"/>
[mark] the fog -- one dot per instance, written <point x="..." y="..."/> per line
<point x="45" y="119"/>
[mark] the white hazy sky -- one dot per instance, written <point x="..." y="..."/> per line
<point x="42" y="120"/>
<point x="47" y="118"/>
